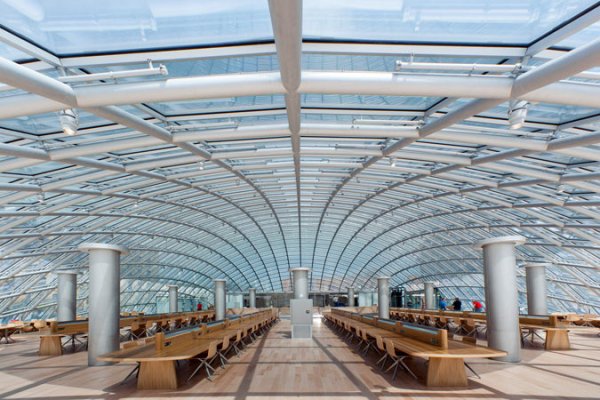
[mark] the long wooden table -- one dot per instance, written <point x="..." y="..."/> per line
<point x="555" y="326"/>
<point x="158" y="360"/>
<point x="51" y="338"/>
<point x="446" y="367"/>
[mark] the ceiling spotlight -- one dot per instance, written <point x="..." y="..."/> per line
<point x="560" y="188"/>
<point x="201" y="165"/>
<point x="392" y="162"/>
<point x="69" y="121"/>
<point x="517" y="113"/>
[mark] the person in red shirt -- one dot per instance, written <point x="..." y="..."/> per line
<point x="477" y="306"/>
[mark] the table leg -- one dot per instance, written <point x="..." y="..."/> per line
<point x="446" y="372"/>
<point x="557" y="340"/>
<point x="157" y="375"/>
<point x="50" y="346"/>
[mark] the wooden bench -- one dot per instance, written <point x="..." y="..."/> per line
<point x="446" y="366"/>
<point x="157" y="361"/>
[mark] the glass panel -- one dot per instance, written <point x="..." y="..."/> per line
<point x="434" y="21"/>
<point x="91" y="26"/>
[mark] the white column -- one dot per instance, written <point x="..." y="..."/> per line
<point x="104" y="299"/>
<point x="501" y="295"/>
<point x="173" y="301"/>
<point x="252" y="297"/>
<point x="220" y="299"/>
<point x="535" y="276"/>
<point x="300" y="278"/>
<point x="429" y="298"/>
<point x="383" y="296"/>
<point x="66" y="296"/>
<point x="351" y="297"/>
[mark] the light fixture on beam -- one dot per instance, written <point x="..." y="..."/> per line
<point x="101" y="76"/>
<point x="216" y="125"/>
<point x="387" y="122"/>
<point x="69" y="121"/>
<point x="517" y="113"/>
<point x="201" y="165"/>
<point x="392" y="162"/>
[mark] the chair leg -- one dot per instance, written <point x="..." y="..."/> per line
<point x="472" y="370"/>
<point x="382" y="361"/>
<point x="136" y="370"/>
<point x="401" y="361"/>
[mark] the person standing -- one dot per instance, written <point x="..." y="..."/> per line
<point x="477" y="306"/>
<point x="457" y="305"/>
<point x="443" y="304"/>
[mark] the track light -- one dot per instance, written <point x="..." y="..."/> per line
<point x="69" y="121"/>
<point x="201" y="165"/>
<point x="392" y="162"/>
<point x="517" y="113"/>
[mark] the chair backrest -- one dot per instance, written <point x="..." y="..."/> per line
<point x="380" y="344"/>
<point x="128" y="345"/>
<point x="225" y="343"/>
<point x="469" y="339"/>
<point x="238" y="336"/>
<point x="389" y="347"/>
<point x="212" y="349"/>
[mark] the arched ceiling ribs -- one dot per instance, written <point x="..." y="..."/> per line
<point x="197" y="244"/>
<point x="551" y="72"/>
<point x="157" y="219"/>
<point x="456" y="229"/>
<point x="138" y="198"/>
<point x="575" y="227"/>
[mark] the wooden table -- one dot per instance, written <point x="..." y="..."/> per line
<point x="157" y="363"/>
<point x="157" y="367"/>
<point x="446" y="366"/>
<point x="7" y="331"/>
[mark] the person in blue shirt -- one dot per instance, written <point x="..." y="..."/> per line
<point x="443" y="304"/>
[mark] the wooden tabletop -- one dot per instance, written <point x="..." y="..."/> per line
<point x="148" y="352"/>
<point x="455" y="349"/>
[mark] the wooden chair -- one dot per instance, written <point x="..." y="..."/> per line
<point x="237" y="344"/>
<point x="223" y="351"/>
<point x="381" y="346"/>
<point x="397" y="360"/>
<point x="369" y="343"/>
<point x="136" y="370"/>
<point x="205" y="362"/>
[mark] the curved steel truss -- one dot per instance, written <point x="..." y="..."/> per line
<point x="291" y="142"/>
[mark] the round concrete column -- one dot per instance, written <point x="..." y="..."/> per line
<point x="220" y="299"/>
<point x="351" y="297"/>
<point x="66" y="296"/>
<point x="104" y="299"/>
<point x="300" y="278"/>
<point x="501" y="295"/>
<point x="252" y="297"/>
<point x="429" y="298"/>
<point x="173" y="305"/>
<point x="535" y="276"/>
<point x="383" y="296"/>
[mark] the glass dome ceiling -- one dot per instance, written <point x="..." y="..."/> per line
<point x="360" y="138"/>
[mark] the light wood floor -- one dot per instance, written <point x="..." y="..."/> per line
<point x="323" y="368"/>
